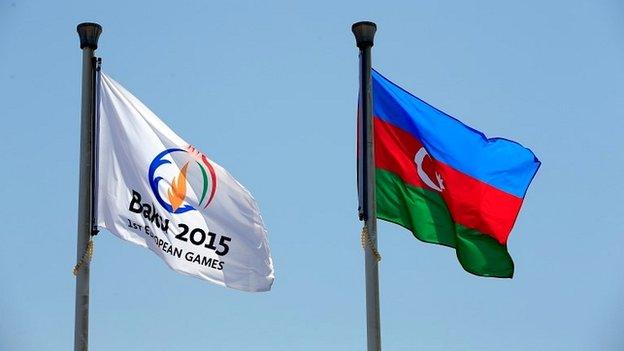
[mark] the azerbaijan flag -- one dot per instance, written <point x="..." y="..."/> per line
<point x="446" y="182"/>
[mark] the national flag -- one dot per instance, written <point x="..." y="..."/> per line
<point x="159" y="192"/>
<point x="446" y="182"/>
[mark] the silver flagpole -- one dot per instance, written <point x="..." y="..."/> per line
<point x="89" y="34"/>
<point x="364" y="35"/>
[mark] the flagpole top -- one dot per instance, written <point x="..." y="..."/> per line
<point x="364" y="32"/>
<point x="89" y="34"/>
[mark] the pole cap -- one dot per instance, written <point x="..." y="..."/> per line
<point x="89" y="34"/>
<point x="364" y="32"/>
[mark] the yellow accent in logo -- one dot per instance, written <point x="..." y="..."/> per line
<point x="177" y="193"/>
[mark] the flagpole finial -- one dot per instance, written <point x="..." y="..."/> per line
<point x="364" y="32"/>
<point x="89" y="34"/>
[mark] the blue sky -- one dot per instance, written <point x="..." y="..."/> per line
<point x="268" y="90"/>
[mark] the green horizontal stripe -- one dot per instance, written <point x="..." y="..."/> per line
<point x="424" y="213"/>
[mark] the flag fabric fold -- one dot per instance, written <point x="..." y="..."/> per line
<point x="159" y="192"/>
<point x="446" y="182"/>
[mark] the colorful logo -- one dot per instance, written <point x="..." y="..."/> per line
<point x="182" y="180"/>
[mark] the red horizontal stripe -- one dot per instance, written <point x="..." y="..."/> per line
<point x="472" y="203"/>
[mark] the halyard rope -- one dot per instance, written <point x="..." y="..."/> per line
<point x="366" y="241"/>
<point x="86" y="257"/>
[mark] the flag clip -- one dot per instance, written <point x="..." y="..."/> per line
<point x="98" y="63"/>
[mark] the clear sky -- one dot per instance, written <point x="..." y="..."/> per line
<point x="268" y="89"/>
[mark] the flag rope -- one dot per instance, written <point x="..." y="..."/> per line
<point x="366" y="241"/>
<point x="86" y="257"/>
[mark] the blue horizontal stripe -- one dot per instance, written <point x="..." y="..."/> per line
<point x="502" y="163"/>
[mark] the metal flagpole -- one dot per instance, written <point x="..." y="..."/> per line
<point x="364" y="36"/>
<point x="89" y="34"/>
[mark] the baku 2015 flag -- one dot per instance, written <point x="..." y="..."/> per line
<point x="446" y="182"/>
<point x="159" y="192"/>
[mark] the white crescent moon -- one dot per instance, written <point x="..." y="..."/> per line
<point x="418" y="159"/>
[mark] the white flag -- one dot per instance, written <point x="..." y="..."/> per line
<point x="157" y="191"/>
